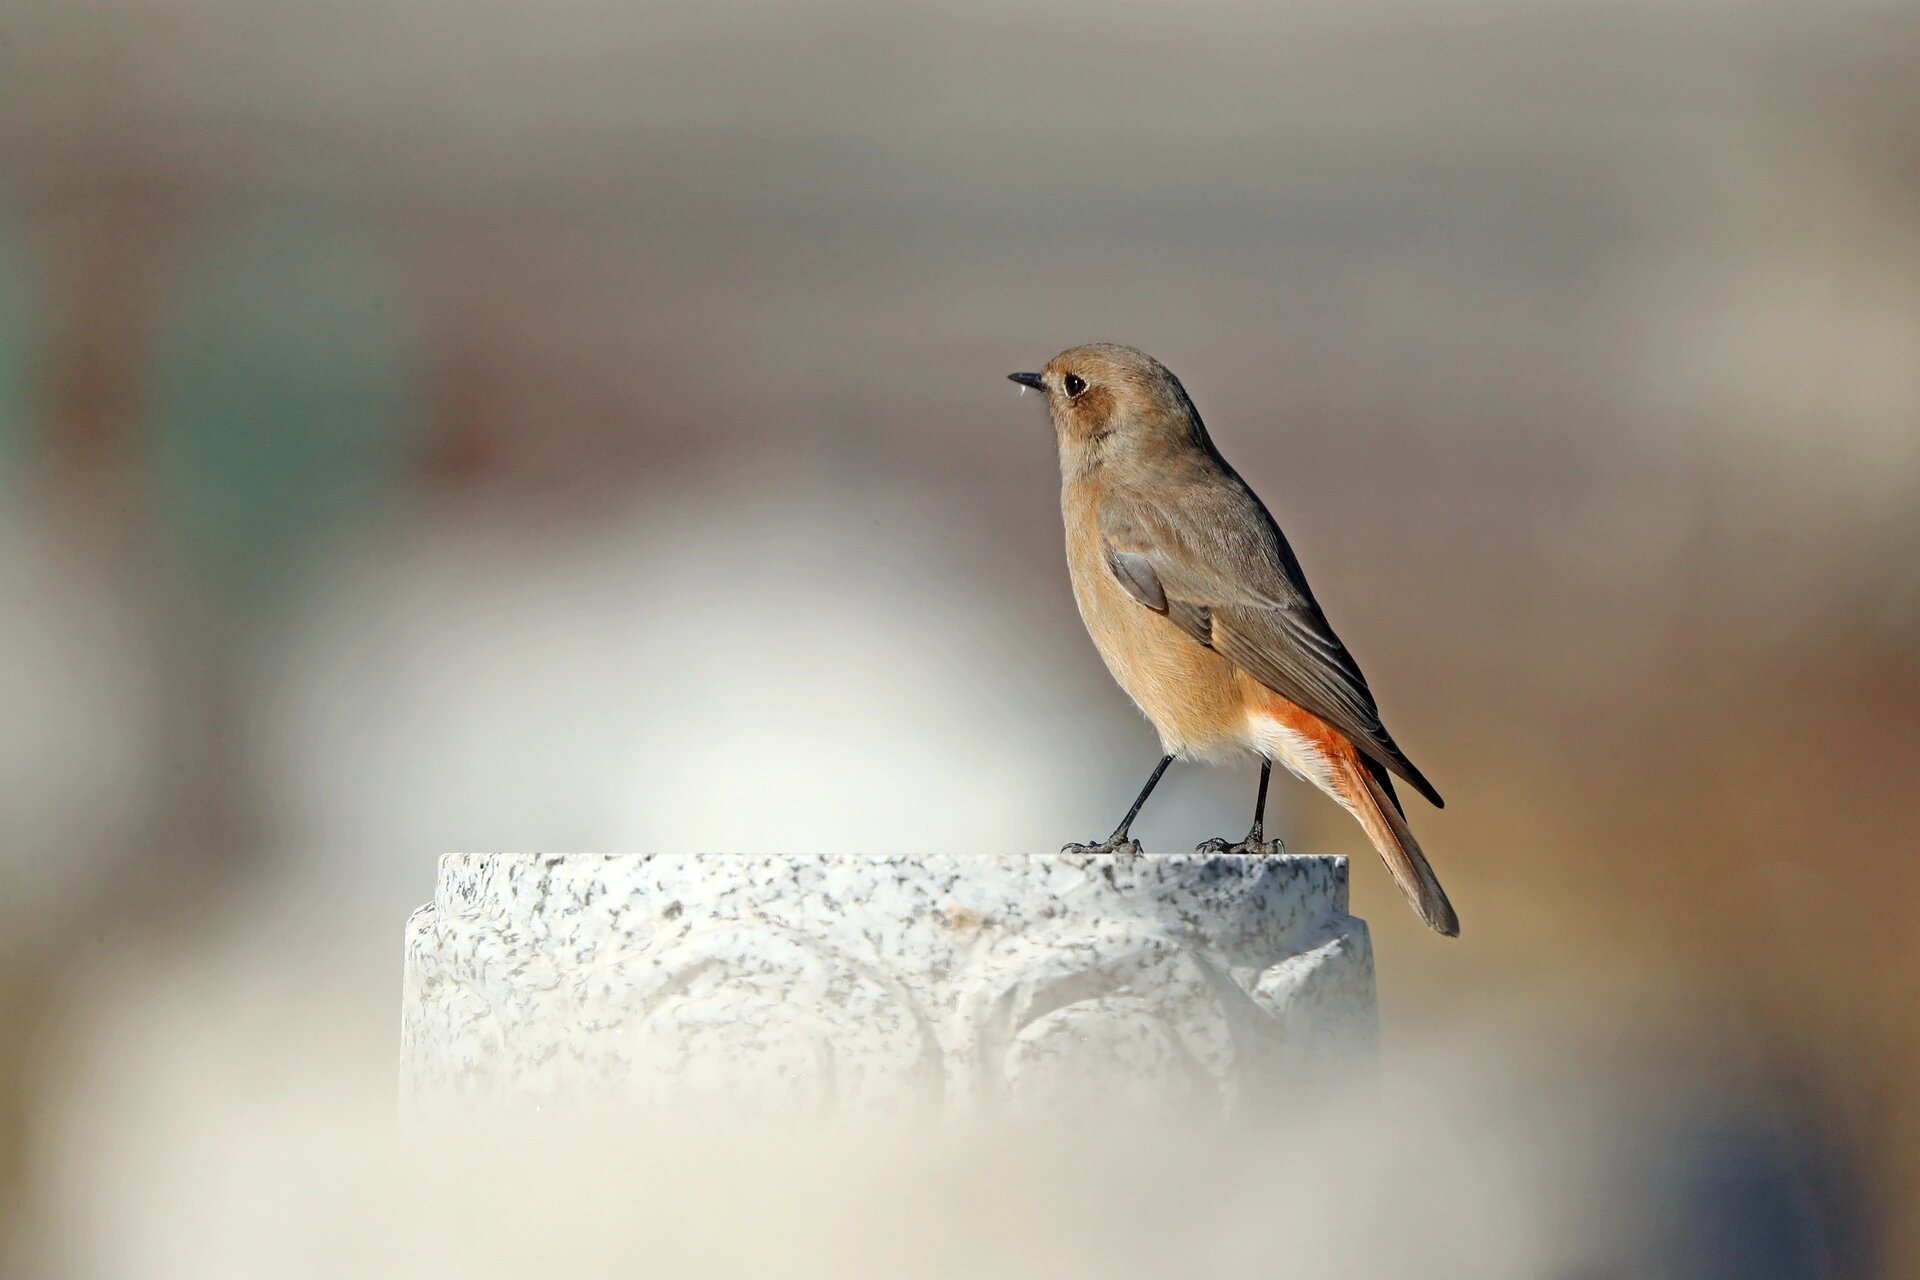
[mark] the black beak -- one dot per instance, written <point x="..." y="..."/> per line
<point x="1028" y="380"/>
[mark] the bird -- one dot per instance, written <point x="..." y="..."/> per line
<point x="1201" y="611"/>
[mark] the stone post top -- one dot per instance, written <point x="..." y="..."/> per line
<point x="1231" y="901"/>
<point x="926" y="981"/>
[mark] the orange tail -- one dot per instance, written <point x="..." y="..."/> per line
<point x="1369" y="799"/>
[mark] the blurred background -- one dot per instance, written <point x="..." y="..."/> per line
<point x="582" y="426"/>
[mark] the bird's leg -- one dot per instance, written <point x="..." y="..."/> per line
<point x="1119" y="842"/>
<point x="1255" y="841"/>
<point x="1260" y="804"/>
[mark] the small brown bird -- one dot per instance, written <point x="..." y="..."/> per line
<point x="1200" y="609"/>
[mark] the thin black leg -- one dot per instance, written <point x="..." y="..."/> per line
<point x="1119" y="835"/>
<point x="1256" y="839"/>
<point x="1257" y="835"/>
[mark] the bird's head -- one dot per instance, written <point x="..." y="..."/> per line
<point x="1109" y="402"/>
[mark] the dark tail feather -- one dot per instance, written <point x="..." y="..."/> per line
<point x="1374" y="803"/>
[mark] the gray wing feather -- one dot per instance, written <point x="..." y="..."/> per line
<point x="1137" y="577"/>
<point x="1218" y="566"/>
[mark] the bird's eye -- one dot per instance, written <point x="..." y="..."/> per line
<point x="1074" y="384"/>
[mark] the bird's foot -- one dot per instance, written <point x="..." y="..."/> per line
<point x="1273" y="848"/>
<point x="1125" y="848"/>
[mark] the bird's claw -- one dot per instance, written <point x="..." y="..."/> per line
<point x="1124" y="848"/>
<point x="1273" y="848"/>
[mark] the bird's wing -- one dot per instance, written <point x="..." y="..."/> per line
<point x="1211" y="558"/>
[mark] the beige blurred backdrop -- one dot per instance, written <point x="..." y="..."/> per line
<point x="582" y="426"/>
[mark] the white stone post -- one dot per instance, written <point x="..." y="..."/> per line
<point x="911" y="984"/>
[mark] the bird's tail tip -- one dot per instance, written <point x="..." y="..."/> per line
<point x="1440" y="915"/>
<point x="1405" y="860"/>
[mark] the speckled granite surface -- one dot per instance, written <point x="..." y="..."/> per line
<point x="903" y="983"/>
